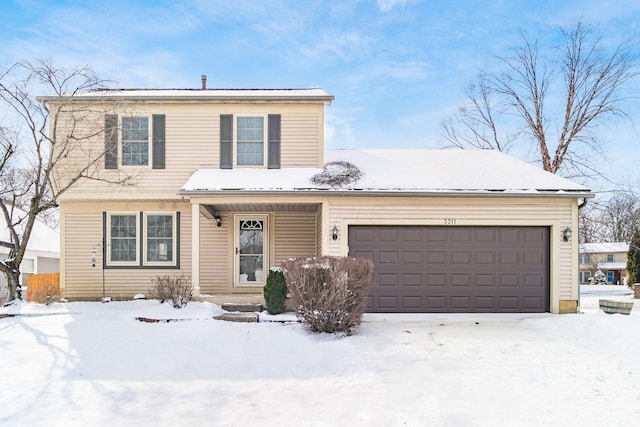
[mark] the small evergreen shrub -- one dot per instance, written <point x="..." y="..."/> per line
<point x="329" y="293"/>
<point x="275" y="291"/>
<point x="177" y="289"/>
<point x="633" y="259"/>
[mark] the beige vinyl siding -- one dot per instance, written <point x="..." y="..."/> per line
<point x="193" y="142"/>
<point x="300" y="136"/>
<point x="48" y="265"/>
<point x="555" y="213"/>
<point x="295" y="235"/>
<point x="216" y="244"/>
<point x="83" y="232"/>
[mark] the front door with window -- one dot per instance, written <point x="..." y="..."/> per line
<point x="251" y="249"/>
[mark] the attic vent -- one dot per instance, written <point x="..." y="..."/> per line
<point x="338" y="174"/>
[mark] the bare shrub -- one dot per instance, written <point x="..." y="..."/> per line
<point x="177" y="289"/>
<point x="338" y="174"/>
<point x="46" y="294"/>
<point x="329" y="293"/>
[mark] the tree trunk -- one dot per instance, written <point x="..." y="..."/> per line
<point x="13" y="283"/>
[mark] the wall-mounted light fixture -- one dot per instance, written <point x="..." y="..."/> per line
<point x="94" y="252"/>
<point x="334" y="233"/>
<point x="218" y="221"/>
<point x="566" y="234"/>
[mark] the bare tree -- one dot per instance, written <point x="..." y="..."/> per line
<point x="553" y="102"/>
<point x="47" y="148"/>
<point x="611" y="219"/>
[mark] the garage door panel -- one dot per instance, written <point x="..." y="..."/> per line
<point x="412" y="257"/>
<point x="455" y="269"/>
<point x="438" y="257"/>
<point x="458" y="257"/>
<point x="388" y="257"/>
<point x="388" y="279"/>
<point x="412" y="279"/>
<point x="486" y="280"/>
<point x="435" y="279"/>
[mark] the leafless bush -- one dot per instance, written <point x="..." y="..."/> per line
<point x="46" y="294"/>
<point x="338" y="174"/>
<point x="329" y="293"/>
<point x="177" y="289"/>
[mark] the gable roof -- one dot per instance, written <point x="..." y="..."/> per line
<point x="399" y="171"/>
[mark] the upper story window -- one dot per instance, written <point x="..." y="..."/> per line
<point x="250" y="141"/>
<point x="609" y="257"/>
<point x="135" y="141"/>
<point x="584" y="259"/>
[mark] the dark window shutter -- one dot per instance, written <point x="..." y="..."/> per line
<point x="111" y="141"/>
<point x="158" y="141"/>
<point x="226" y="141"/>
<point x="274" y="141"/>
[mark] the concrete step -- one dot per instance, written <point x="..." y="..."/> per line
<point x="242" y="307"/>
<point x="238" y="317"/>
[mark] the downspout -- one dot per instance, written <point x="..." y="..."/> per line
<point x="580" y="206"/>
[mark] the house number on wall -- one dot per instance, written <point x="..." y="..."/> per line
<point x="449" y="221"/>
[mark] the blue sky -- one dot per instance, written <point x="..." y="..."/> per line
<point x="397" y="68"/>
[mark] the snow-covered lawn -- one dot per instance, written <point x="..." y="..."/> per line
<point x="93" y="364"/>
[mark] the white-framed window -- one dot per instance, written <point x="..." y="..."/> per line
<point x="609" y="257"/>
<point x="142" y="239"/>
<point x="250" y="141"/>
<point x="160" y="242"/>
<point x="123" y="243"/>
<point x="135" y="141"/>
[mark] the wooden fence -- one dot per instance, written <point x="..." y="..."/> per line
<point x="43" y="288"/>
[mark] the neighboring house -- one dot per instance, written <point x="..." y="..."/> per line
<point x="224" y="191"/>
<point x="42" y="254"/>
<point x="610" y="258"/>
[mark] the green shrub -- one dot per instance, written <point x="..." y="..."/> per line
<point x="633" y="259"/>
<point x="275" y="291"/>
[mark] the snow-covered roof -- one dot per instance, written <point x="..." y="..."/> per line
<point x="603" y="247"/>
<point x="613" y="265"/>
<point x="398" y="171"/>
<point x="43" y="238"/>
<point x="221" y="95"/>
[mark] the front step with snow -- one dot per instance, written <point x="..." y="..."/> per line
<point x="240" y="312"/>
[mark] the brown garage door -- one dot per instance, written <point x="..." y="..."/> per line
<point x="431" y="269"/>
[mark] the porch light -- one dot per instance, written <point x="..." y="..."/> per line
<point x="334" y="233"/>
<point x="93" y="257"/>
<point x="218" y="221"/>
<point x="566" y="234"/>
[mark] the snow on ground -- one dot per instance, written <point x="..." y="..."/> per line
<point x="81" y="364"/>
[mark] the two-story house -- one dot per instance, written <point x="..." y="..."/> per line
<point x="227" y="183"/>
<point x="610" y="258"/>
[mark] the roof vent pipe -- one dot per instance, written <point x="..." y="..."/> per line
<point x="204" y="81"/>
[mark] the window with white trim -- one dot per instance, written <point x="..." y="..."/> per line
<point x="135" y="141"/>
<point x="142" y="239"/>
<point x="122" y="239"/>
<point x="250" y="141"/>
<point x="159" y="237"/>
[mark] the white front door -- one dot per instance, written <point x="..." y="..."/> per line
<point x="251" y="249"/>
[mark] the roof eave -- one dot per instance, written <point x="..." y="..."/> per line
<point x="325" y="99"/>
<point x="390" y="193"/>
